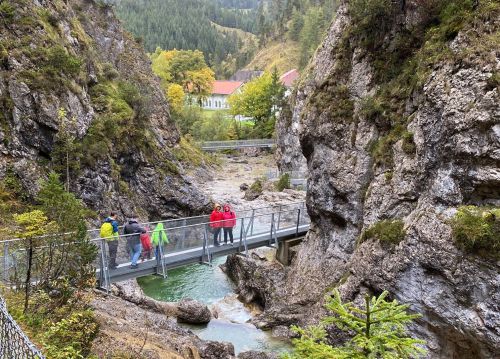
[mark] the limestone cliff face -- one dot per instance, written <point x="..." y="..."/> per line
<point x="69" y="65"/>
<point x="411" y="146"/>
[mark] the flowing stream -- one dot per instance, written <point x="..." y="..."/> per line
<point x="211" y="286"/>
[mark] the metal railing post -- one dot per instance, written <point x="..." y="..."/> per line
<point x="184" y="223"/>
<point x="5" y="261"/>
<point x="245" y="244"/>
<point x="242" y="230"/>
<point x="253" y="216"/>
<point x="162" y="259"/>
<point x="104" y="274"/>
<point x="206" y="249"/>
<point x="298" y="222"/>
<point x="279" y="216"/>
<point x="272" y="227"/>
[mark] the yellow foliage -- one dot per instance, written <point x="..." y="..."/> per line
<point x="176" y="96"/>
<point x="34" y="223"/>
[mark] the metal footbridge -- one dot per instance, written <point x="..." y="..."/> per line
<point x="235" y="145"/>
<point x="190" y="240"/>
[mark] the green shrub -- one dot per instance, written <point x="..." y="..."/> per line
<point x="59" y="60"/>
<point x="477" y="230"/>
<point x="71" y="337"/>
<point x="283" y="182"/>
<point x="109" y="72"/>
<point x="408" y="144"/>
<point x="389" y="231"/>
<point x="7" y="12"/>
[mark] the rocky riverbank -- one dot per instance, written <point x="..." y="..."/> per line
<point x="145" y="328"/>
<point x="223" y="184"/>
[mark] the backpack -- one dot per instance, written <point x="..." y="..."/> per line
<point x="106" y="230"/>
<point x="146" y="242"/>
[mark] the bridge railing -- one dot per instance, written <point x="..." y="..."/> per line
<point x="195" y="240"/>
<point x="13" y="342"/>
<point x="182" y="237"/>
<point x="237" y="144"/>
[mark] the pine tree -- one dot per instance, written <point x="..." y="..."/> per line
<point x="379" y="332"/>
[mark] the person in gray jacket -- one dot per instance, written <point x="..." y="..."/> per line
<point x="133" y="231"/>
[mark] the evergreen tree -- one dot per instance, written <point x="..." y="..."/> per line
<point x="379" y="331"/>
<point x="296" y="26"/>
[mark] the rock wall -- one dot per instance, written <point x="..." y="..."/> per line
<point x="381" y="148"/>
<point x="74" y="56"/>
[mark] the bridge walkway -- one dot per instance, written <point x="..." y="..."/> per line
<point x="237" y="144"/>
<point x="197" y="255"/>
<point x="190" y="240"/>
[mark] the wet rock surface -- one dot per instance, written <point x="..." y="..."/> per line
<point x="256" y="355"/>
<point x="193" y="312"/>
<point x="126" y="328"/>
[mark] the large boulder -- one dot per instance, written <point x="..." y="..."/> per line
<point x="253" y="354"/>
<point x="193" y="312"/>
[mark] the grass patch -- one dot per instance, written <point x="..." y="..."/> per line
<point x="189" y="152"/>
<point x="477" y="230"/>
<point x="7" y="12"/>
<point x="390" y="231"/>
<point x="283" y="182"/>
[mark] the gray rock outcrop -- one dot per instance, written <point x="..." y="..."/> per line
<point x="69" y="69"/>
<point x="449" y="158"/>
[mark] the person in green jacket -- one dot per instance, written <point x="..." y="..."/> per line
<point x="159" y="238"/>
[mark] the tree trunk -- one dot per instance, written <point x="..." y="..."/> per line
<point x="28" y="276"/>
<point x="67" y="170"/>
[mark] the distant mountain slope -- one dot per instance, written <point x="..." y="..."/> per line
<point x="284" y="55"/>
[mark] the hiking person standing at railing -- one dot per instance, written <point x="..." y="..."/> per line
<point x="159" y="238"/>
<point x="133" y="232"/>
<point x="109" y="231"/>
<point x="216" y="223"/>
<point x="229" y="223"/>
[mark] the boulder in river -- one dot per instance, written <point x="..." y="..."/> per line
<point x="193" y="312"/>
<point x="244" y="187"/>
<point x="253" y="354"/>
<point x="217" y="350"/>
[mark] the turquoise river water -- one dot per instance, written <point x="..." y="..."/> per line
<point x="210" y="285"/>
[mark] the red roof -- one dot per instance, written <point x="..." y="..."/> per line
<point x="225" y="87"/>
<point x="289" y="77"/>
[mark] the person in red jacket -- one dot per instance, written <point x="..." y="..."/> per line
<point x="229" y="223"/>
<point x="216" y="223"/>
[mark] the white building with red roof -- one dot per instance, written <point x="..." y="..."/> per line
<point x="221" y="91"/>
<point x="289" y="78"/>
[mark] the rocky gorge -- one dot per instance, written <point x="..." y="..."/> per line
<point x="398" y="122"/>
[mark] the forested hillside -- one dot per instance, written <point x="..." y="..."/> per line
<point x="189" y="25"/>
<point x="296" y="25"/>
<point x="290" y="31"/>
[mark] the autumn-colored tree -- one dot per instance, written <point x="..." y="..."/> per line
<point x="32" y="225"/>
<point x="186" y="68"/>
<point x="260" y="99"/>
<point x="176" y="98"/>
